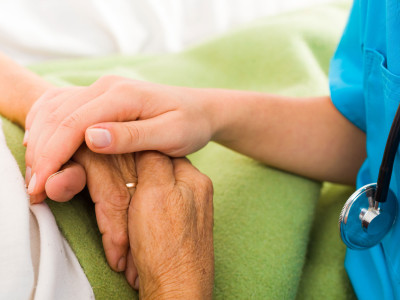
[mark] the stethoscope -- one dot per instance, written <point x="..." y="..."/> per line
<point x="370" y="212"/>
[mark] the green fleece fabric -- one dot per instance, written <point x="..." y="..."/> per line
<point x="273" y="238"/>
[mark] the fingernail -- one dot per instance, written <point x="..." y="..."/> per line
<point x="32" y="184"/>
<point x="32" y="199"/>
<point x="99" y="137"/>
<point x="121" y="264"/>
<point x="52" y="175"/>
<point x="25" y="142"/>
<point x="28" y="175"/>
<point x="136" y="286"/>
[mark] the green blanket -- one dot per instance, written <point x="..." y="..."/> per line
<point x="273" y="238"/>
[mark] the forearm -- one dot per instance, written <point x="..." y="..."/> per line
<point x="306" y="136"/>
<point x="19" y="89"/>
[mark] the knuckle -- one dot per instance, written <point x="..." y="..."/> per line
<point x="145" y="91"/>
<point x="72" y="121"/>
<point x="154" y="195"/>
<point x="121" y="239"/>
<point x="51" y="117"/>
<point x="45" y="158"/>
<point x="46" y="114"/>
<point x="117" y="203"/>
<point x="54" y="91"/>
<point x="50" y="93"/>
<point x="141" y="89"/>
<point x="122" y="85"/>
<point x="134" y="135"/>
<point x="205" y="185"/>
<point x="108" y="80"/>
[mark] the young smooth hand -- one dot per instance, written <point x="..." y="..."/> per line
<point x="106" y="176"/>
<point x="138" y="115"/>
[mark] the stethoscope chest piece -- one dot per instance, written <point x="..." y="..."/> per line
<point x="363" y="222"/>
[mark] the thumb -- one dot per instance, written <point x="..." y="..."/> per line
<point x="128" y="137"/>
<point x="66" y="183"/>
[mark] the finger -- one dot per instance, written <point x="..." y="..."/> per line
<point x="131" y="272"/>
<point x="38" y="103"/>
<point x="36" y="132"/>
<point x="154" y="168"/>
<point x="26" y="137"/>
<point x="137" y="283"/>
<point x="50" y="114"/>
<point x="34" y="199"/>
<point x="65" y="184"/>
<point x="69" y="134"/>
<point x="184" y="171"/>
<point x="51" y="110"/>
<point x="199" y="185"/>
<point x="183" y="168"/>
<point x="34" y="110"/>
<point x="134" y="136"/>
<point x="111" y="197"/>
<point x="111" y="211"/>
<point x="36" y="107"/>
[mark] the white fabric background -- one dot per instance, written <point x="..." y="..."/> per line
<point x="37" y="30"/>
<point x="36" y="261"/>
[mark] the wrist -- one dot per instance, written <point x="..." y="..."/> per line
<point x="190" y="283"/>
<point x="233" y="114"/>
<point x="224" y="113"/>
<point x="31" y="94"/>
<point x="212" y="105"/>
<point x="19" y="89"/>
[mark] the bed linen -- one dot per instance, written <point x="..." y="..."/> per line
<point x="35" y="31"/>
<point x="36" y="262"/>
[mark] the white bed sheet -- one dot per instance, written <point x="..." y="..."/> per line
<point x="36" y="262"/>
<point x="34" y="31"/>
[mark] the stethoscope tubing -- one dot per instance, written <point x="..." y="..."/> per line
<point x="386" y="168"/>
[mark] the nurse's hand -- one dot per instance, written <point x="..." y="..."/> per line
<point x="148" y="116"/>
<point x="170" y="229"/>
<point x="19" y="89"/>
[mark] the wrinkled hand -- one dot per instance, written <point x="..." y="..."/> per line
<point x="170" y="229"/>
<point x="143" y="116"/>
<point x="106" y="177"/>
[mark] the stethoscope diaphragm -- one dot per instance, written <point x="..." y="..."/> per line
<point x="369" y="214"/>
<point x="363" y="222"/>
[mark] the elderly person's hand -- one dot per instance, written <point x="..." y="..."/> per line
<point x="106" y="177"/>
<point x="171" y="229"/>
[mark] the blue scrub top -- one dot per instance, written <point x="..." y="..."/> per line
<point x="365" y="88"/>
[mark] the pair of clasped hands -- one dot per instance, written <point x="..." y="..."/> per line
<point x="162" y="233"/>
<point x="159" y="232"/>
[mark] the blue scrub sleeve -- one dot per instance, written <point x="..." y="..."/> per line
<point x="346" y="72"/>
